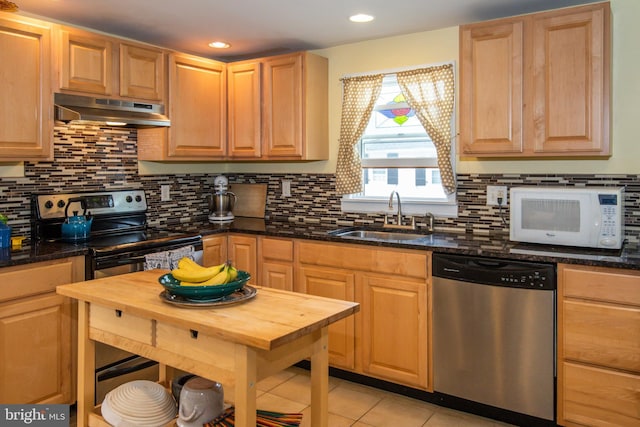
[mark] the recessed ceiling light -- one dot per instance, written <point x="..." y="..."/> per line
<point x="361" y="17"/>
<point x="219" y="45"/>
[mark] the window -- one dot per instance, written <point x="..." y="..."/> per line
<point x="397" y="154"/>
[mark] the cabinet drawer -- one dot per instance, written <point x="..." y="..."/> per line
<point x="277" y="249"/>
<point x="598" y="397"/>
<point x="352" y="257"/>
<point x="32" y="279"/>
<point x="602" y="284"/>
<point x="126" y="325"/>
<point x="602" y="334"/>
<point x="199" y="346"/>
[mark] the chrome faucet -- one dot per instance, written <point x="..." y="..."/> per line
<point x="398" y="223"/>
<point x="429" y="218"/>
<point x="399" y="205"/>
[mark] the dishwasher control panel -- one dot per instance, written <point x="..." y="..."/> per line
<point x="497" y="272"/>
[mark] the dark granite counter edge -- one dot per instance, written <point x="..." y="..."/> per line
<point x="495" y="246"/>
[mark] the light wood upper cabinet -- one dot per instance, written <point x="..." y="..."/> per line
<point x="598" y="346"/>
<point x="265" y="109"/>
<point x="142" y="72"/>
<point x="278" y="108"/>
<point x="536" y="85"/>
<point x="197" y="109"/>
<point x="26" y="127"/>
<point x="86" y="63"/>
<point x="244" y="102"/>
<point x="491" y="108"/>
<point x="197" y="93"/>
<point x="295" y="107"/>
<point x="571" y="64"/>
<point x="92" y="64"/>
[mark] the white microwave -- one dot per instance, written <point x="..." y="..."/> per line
<point x="588" y="217"/>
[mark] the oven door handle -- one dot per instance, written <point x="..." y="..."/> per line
<point x="123" y="261"/>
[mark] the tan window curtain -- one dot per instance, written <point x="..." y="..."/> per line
<point x="359" y="96"/>
<point x="430" y="92"/>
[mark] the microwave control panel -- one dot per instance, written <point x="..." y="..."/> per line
<point x="611" y="218"/>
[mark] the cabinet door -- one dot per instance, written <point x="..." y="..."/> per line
<point x="244" y="109"/>
<point x="598" y="397"/>
<point x="276" y="263"/>
<point x="197" y="107"/>
<point x="142" y="72"/>
<point x="214" y="250"/>
<point x="491" y="88"/>
<point x="277" y="276"/>
<point x="602" y="334"/>
<point x="283" y="106"/>
<point x="337" y="284"/>
<point x="35" y="338"/>
<point x="394" y="329"/>
<point x="26" y="123"/>
<point x="243" y="254"/>
<point x="571" y="82"/>
<point x="598" y="346"/>
<point x="86" y="63"/>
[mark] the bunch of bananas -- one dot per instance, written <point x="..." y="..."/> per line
<point x="190" y="273"/>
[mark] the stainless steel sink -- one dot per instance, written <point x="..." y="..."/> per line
<point x="387" y="236"/>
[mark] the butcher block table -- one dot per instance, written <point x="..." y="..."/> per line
<point x="236" y="345"/>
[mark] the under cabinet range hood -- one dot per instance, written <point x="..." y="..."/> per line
<point x="114" y="112"/>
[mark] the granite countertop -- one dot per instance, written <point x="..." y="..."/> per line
<point x="496" y="245"/>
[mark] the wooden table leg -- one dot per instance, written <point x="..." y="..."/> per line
<point x="86" y="367"/>
<point x="245" y="390"/>
<point x="320" y="380"/>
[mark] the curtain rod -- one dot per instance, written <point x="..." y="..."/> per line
<point x="397" y="70"/>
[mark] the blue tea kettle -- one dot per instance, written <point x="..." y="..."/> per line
<point x="76" y="228"/>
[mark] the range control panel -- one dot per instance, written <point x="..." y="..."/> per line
<point x="54" y="205"/>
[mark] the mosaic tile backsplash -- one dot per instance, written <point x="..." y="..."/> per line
<point x="92" y="157"/>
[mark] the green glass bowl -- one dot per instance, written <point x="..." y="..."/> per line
<point x="203" y="293"/>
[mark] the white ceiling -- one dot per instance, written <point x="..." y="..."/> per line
<point x="262" y="27"/>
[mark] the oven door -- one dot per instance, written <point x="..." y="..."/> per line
<point x="117" y="367"/>
<point x="129" y="262"/>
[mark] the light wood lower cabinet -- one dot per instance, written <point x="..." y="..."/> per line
<point x="37" y="332"/>
<point x="275" y="266"/>
<point x="394" y="328"/>
<point x="242" y="251"/>
<point x="391" y="335"/>
<point x="598" y="346"/>
<point x="214" y="250"/>
<point x="337" y="284"/>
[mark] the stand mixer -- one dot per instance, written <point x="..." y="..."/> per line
<point x="221" y="202"/>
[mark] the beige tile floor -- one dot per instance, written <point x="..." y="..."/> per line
<point x="356" y="405"/>
<point x="352" y="404"/>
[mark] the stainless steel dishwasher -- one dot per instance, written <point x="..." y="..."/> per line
<point x="494" y="333"/>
